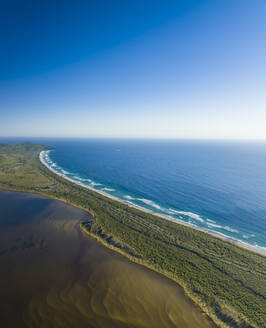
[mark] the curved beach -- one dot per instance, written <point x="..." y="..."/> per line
<point x="192" y="226"/>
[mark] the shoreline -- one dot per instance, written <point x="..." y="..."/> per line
<point x="213" y="272"/>
<point x="166" y="217"/>
<point x="183" y="289"/>
<point x="197" y="303"/>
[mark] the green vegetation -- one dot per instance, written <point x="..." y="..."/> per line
<point x="227" y="281"/>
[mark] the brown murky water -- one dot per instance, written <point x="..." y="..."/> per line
<point x="53" y="275"/>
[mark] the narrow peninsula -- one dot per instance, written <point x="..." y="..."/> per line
<point x="227" y="282"/>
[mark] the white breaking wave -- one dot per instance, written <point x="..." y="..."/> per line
<point x="150" y="203"/>
<point x="128" y="197"/>
<point x="209" y="220"/>
<point x="230" y="229"/>
<point x="224" y="235"/>
<point x="173" y="211"/>
<point x="80" y="179"/>
<point x="95" y="184"/>
<point x="129" y="202"/>
<point x="108" y="189"/>
<point x="210" y="223"/>
<point x="192" y="215"/>
<point x="189" y="214"/>
<point x="213" y="225"/>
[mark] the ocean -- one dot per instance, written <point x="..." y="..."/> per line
<point x="219" y="186"/>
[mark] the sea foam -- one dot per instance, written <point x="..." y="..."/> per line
<point x="189" y="214"/>
<point x="107" y="189"/>
<point x="128" y="197"/>
<point x="227" y="228"/>
<point x="150" y="203"/>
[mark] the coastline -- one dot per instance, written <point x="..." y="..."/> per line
<point x="102" y="193"/>
<point x="81" y="230"/>
<point x="194" y="300"/>
<point x="223" y="279"/>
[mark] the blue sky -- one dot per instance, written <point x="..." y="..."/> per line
<point x="155" y="69"/>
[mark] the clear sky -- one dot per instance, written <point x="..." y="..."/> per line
<point x="133" y="68"/>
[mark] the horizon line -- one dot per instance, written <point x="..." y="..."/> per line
<point x="135" y="138"/>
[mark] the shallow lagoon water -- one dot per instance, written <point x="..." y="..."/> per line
<point x="53" y="275"/>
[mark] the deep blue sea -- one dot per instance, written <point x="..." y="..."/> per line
<point x="215" y="185"/>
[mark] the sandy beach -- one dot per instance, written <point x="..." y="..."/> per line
<point x="166" y="217"/>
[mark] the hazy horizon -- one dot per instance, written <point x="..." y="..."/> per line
<point x="36" y="138"/>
